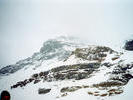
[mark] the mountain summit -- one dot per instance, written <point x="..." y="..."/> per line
<point x="58" y="48"/>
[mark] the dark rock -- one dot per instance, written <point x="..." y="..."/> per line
<point x="124" y="69"/>
<point x="58" y="69"/>
<point x="90" y="65"/>
<point x="35" y="76"/>
<point x="108" y="84"/>
<point x="115" y="58"/>
<point x="31" y="79"/>
<point x="41" y="74"/>
<point x="76" y="67"/>
<point x="98" y="53"/>
<point x="129" y="45"/>
<point x="14" y="86"/>
<point x="86" y="70"/>
<point x="71" y="75"/>
<point x="128" y="76"/>
<point x="59" y="76"/>
<point x="107" y="64"/>
<point x="43" y="91"/>
<point x="8" y="69"/>
<point x="36" y="81"/>
<point x="46" y="73"/>
<point x="118" y="70"/>
<point x="102" y="95"/>
<point x="81" y="76"/>
<point x="70" y="89"/>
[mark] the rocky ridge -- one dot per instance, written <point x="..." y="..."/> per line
<point x="88" y="63"/>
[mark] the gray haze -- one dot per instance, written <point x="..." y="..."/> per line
<point x="26" y="24"/>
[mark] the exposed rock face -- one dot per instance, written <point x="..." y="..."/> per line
<point x="92" y="53"/>
<point x="70" y="89"/>
<point x="100" y="90"/>
<point x="77" y="72"/>
<point x="129" y="45"/>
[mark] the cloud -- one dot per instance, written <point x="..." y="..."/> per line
<point x="25" y="24"/>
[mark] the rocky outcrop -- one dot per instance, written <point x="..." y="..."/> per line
<point x="77" y="72"/>
<point x="70" y="89"/>
<point x="129" y="45"/>
<point x="43" y="91"/>
<point x="93" y="53"/>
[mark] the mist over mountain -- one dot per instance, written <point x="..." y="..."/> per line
<point x="59" y="49"/>
<point x="66" y="49"/>
<point x="26" y="24"/>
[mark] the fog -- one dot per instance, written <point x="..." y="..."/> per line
<point x="26" y="24"/>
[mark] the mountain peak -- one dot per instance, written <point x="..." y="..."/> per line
<point x="57" y="48"/>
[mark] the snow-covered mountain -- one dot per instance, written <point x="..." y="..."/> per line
<point x="67" y="69"/>
<point x="57" y="49"/>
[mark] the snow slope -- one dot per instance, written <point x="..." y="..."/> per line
<point x="62" y="52"/>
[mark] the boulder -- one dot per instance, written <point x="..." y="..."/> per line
<point x="129" y="45"/>
<point x="127" y="76"/>
<point x="43" y="91"/>
<point x="36" y="81"/>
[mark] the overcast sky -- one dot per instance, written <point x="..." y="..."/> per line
<point x="26" y="24"/>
